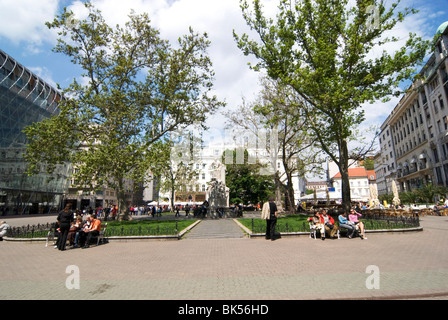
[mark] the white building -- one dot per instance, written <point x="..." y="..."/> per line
<point x="360" y="183"/>
<point x="207" y="163"/>
<point x="385" y="160"/>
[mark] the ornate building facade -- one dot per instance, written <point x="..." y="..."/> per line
<point x="414" y="138"/>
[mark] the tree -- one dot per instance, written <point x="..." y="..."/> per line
<point x="245" y="182"/>
<point x="137" y="88"/>
<point x="324" y="50"/>
<point x="275" y="110"/>
<point x="175" y="163"/>
<point x="369" y="163"/>
<point x="429" y="193"/>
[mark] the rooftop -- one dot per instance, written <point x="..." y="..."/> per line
<point x="442" y="28"/>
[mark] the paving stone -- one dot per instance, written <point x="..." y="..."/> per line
<point x="412" y="265"/>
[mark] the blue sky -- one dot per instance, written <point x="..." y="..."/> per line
<point x="24" y="36"/>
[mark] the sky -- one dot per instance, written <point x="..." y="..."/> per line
<point x="24" y="36"/>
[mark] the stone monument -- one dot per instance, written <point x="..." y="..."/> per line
<point x="217" y="192"/>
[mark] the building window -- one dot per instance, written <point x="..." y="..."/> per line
<point x="436" y="155"/>
<point x="434" y="84"/>
<point x="436" y="110"/>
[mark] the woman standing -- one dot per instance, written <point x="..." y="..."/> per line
<point x="65" y="218"/>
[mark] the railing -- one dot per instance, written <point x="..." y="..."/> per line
<point x="142" y="231"/>
<point x="41" y="231"/>
<point x="31" y="231"/>
<point x="373" y="222"/>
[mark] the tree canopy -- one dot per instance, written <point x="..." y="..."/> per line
<point x="325" y="51"/>
<point x="245" y="182"/>
<point x="136" y="88"/>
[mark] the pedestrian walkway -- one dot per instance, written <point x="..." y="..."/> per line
<point x="215" y="229"/>
<point x="409" y="265"/>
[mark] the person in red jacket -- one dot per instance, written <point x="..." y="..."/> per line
<point x="328" y="221"/>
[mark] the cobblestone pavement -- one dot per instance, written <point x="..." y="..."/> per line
<point x="411" y="265"/>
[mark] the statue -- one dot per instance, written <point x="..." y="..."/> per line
<point x="218" y="171"/>
<point x="218" y="194"/>
<point x="396" y="199"/>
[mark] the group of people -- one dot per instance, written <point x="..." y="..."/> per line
<point x="73" y="229"/>
<point x="325" y="224"/>
<point x="321" y="220"/>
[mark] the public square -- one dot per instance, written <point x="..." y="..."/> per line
<point x="217" y="261"/>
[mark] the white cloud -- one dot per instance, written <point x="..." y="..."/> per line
<point x="24" y="21"/>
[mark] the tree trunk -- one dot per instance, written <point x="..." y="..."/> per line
<point x="173" y="191"/>
<point x="343" y="169"/>
<point x="289" y="195"/>
<point x="278" y="192"/>
<point x="123" y="212"/>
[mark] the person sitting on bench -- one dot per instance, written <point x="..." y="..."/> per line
<point x="344" y="223"/>
<point x="92" y="231"/>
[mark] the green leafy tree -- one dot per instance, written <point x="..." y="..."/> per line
<point x="429" y="193"/>
<point x="386" y="197"/>
<point x="175" y="165"/>
<point x="137" y="88"/>
<point x="292" y="145"/>
<point x="245" y="182"/>
<point x="408" y="197"/>
<point x="369" y="163"/>
<point x="325" y="51"/>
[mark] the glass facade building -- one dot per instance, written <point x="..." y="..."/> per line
<point x="25" y="98"/>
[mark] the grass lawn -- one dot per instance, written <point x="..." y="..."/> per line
<point x="291" y="223"/>
<point x="299" y="223"/>
<point x="146" y="227"/>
